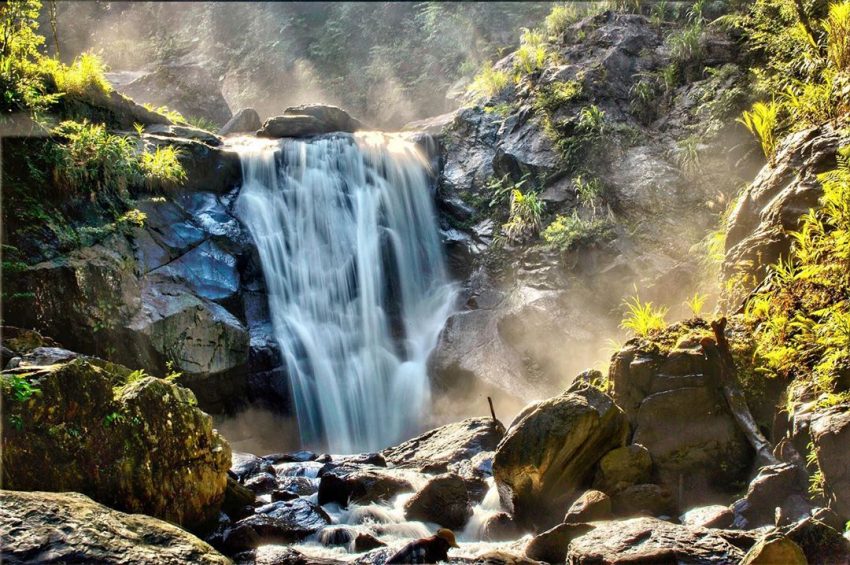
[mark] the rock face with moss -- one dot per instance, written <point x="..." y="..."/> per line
<point x="52" y="527"/>
<point x="133" y="442"/>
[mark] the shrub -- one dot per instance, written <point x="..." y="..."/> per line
<point x="525" y="215"/>
<point x="588" y="191"/>
<point x="642" y="318"/>
<point x="85" y="76"/>
<point x="162" y="169"/>
<point x="837" y="28"/>
<point x="487" y="83"/>
<point x="567" y="232"/>
<point x="762" y="121"/>
<point x="591" y="119"/>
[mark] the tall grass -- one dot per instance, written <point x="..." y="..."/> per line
<point x="762" y="120"/>
<point x="162" y="169"/>
<point x="86" y="75"/>
<point x="643" y="318"/>
<point x="525" y="216"/>
<point x="560" y="18"/>
<point x="488" y="82"/>
<point x="531" y="55"/>
<point x="92" y="159"/>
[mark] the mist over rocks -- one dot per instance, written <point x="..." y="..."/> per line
<point x="309" y="120"/>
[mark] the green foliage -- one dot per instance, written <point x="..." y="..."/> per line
<point x="531" y="55"/>
<point x="568" y="232"/>
<point x="162" y="169"/>
<point x="643" y="318"/>
<point x="172" y="115"/>
<point x="591" y="120"/>
<point x="688" y="155"/>
<point x="84" y="77"/>
<point x="502" y="188"/>
<point x="113" y="418"/>
<point x="695" y="304"/>
<point x="801" y="319"/>
<point x="762" y="121"/>
<point x="589" y="191"/>
<point x="202" y="123"/>
<point x="488" y="82"/>
<point x="525" y="216"/>
<point x="20" y="77"/>
<point x="561" y="16"/>
<point x="553" y="96"/>
<point x="18" y="388"/>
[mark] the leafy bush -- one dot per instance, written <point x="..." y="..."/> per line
<point x="488" y="82"/>
<point x="762" y="121"/>
<point x="171" y="115"/>
<point x="567" y="232"/>
<point x="642" y="318"/>
<point x="162" y="169"/>
<point x="591" y="119"/>
<point x="531" y="55"/>
<point x="525" y="216"/>
<point x="85" y="76"/>
<point x="561" y="16"/>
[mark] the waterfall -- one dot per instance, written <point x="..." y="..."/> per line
<point x="358" y="291"/>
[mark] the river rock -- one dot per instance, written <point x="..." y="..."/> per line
<point x="644" y="499"/>
<point x="766" y="492"/>
<point x="550" y="451"/>
<point x="361" y="487"/>
<point x="278" y="522"/>
<point x="52" y="527"/>
<point x="551" y="546"/>
<point x="308" y="120"/>
<point x="712" y="516"/>
<point x="157" y="453"/>
<point x="623" y="467"/>
<point x="591" y="506"/>
<point x="434" y="451"/>
<point x="443" y="500"/>
<point x="262" y="483"/>
<point x="660" y="542"/>
<point x="768" y="551"/>
<point x="246" y="120"/>
<point x="238" y="500"/>
<point x="500" y="527"/>
<point x="831" y="438"/>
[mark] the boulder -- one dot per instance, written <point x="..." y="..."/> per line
<point x="434" y="451"/>
<point x="774" y="550"/>
<point x="550" y="451"/>
<point x="238" y="500"/>
<point x="820" y="542"/>
<point x="831" y="438"/>
<point x="262" y="483"/>
<point x="443" y="500"/>
<point x="712" y="516"/>
<point x="156" y="452"/>
<point x="42" y="356"/>
<point x="308" y="120"/>
<point x="245" y="465"/>
<point x="551" y="546"/>
<point x="766" y="493"/>
<point x="278" y="522"/>
<point x="246" y="120"/>
<point x="500" y="527"/>
<point x="591" y="506"/>
<point x="186" y="88"/>
<point x="623" y="467"/>
<point x="660" y="542"/>
<point x="361" y="487"/>
<point x="53" y="527"/>
<point x="645" y="499"/>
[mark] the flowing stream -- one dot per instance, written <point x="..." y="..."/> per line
<point x="358" y="291"/>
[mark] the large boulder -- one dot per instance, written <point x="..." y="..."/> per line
<point x="779" y="549"/>
<point x="277" y="522"/>
<point x="186" y="88"/>
<point x="52" y="527"/>
<point x="341" y="486"/>
<point x="443" y="500"/>
<point x="660" y="542"/>
<point x="155" y="451"/>
<point x="550" y="451"/>
<point x="831" y="438"/>
<point x="435" y="450"/>
<point x="246" y="120"/>
<point x="623" y="467"/>
<point x="769" y="490"/>
<point x="308" y="120"/>
<point x="591" y="506"/>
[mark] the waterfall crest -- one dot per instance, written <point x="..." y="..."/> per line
<point x="358" y="291"/>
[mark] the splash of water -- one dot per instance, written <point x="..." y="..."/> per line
<point x="358" y="290"/>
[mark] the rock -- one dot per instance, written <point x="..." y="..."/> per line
<point x="238" y="500"/>
<point x="712" y="516"/>
<point x="208" y="168"/>
<point x="500" y="527"/>
<point x="550" y="450"/>
<point x="42" y="356"/>
<point x="820" y="543"/>
<point x="246" y="120"/>
<point x="207" y="270"/>
<point x="769" y="551"/>
<point x="184" y="132"/>
<point x="301" y="486"/>
<point x="644" y="499"/>
<point x="591" y="506"/>
<point x="374" y="459"/>
<point x="767" y="492"/>
<point x="308" y="120"/>
<point x="21" y="341"/>
<point x="52" y="527"/>
<point x="366" y="542"/>
<point x="278" y="522"/>
<point x="186" y="88"/>
<point x="156" y="452"/>
<point x="443" y="500"/>
<point x="262" y="483"/>
<point x="361" y="487"/>
<point x="245" y="465"/>
<point x="293" y="457"/>
<point x="283" y="495"/>
<point x="660" y="542"/>
<point x="551" y="546"/>
<point x="831" y="438"/>
<point x="434" y="451"/>
<point x="623" y="467"/>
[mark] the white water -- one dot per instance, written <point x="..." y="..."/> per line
<point x="348" y="241"/>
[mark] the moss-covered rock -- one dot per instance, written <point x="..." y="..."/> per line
<point x="130" y="441"/>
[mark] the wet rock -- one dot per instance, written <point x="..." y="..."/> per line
<point x="278" y="522"/>
<point x="820" y="542"/>
<point x="550" y="450"/>
<point x="780" y="549"/>
<point x="644" y="499"/>
<point x="284" y="495"/>
<point x="262" y="483"/>
<point x="366" y="542"/>
<point x="712" y="516"/>
<point x="206" y="270"/>
<point x="209" y="168"/>
<point x="186" y="88"/>
<point x="246" y="120"/>
<point x="831" y="438"/>
<point x="308" y="120"/>
<point x="660" y="542"/>
<point x="42" y="527"/>
<point x="85" y="412"/>
<point x="238" y="500"/>
<point x="591" y="506"/>
<point x="623" y="467"/>
<point x="41" y="356"/>
<point x="500" y="527"/>
<point x="301" y="486"/>
<point x="245" y="465"/>
<point x="551" y="546"/>
<point x="292" y="457"/>
<point x="435" y="450"/>
<point x="361" y="487"/>
<point x="766" y="493"/>
<point x="443" y="500"/>
<point x="374" y="459"/>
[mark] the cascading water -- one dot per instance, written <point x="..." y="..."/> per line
<point x="358" y="291"/>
